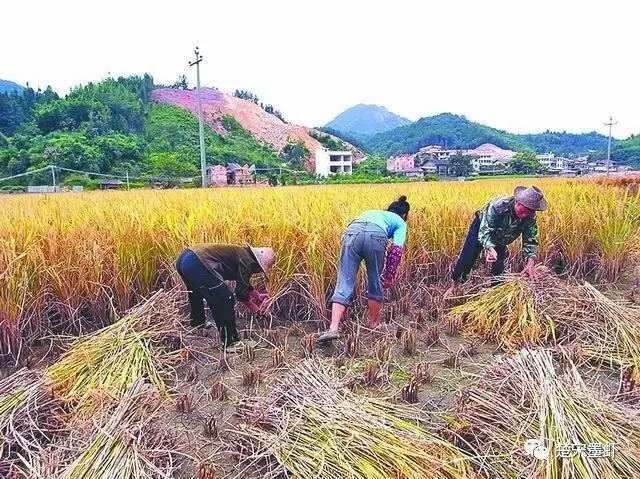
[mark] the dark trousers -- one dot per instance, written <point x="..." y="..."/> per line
<point x="470" y="252"/>
<point x="202" y="284"/>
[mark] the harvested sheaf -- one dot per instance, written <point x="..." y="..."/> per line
<point x="550" y="311"/>
<point x="513" y="314"/>
<point x="607" y="332"/>
<point x="525" y="398"/>
<point x="99" y="368"/>
<point x="127" y="445"/>
<point x="309" y="425"/>
<point x="30" y="417"/>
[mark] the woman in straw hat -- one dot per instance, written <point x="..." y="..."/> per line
<point x="205" y="267"/>
<point x="498" y="224"/>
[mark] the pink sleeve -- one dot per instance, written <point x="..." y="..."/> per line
<point x="393" y="259"/>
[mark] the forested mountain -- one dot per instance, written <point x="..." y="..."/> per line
<point x="455" y="131"/>
<point x="366" y="120"/>
<point x="7" y="86"/>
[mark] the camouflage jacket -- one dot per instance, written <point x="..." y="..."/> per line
<point x="499" y="226"/>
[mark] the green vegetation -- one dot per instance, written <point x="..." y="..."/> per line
<point x="329" y="142"/>
<point x="356" y="140"/>
<point x="461" y="165"/>
<point x="174" y="130"/>
<point x="112" y="127"/>
<point x="525" y="163"/>
<point x="455" y="131"/>
<point x="626" y="151"/>
<point x="294" y="152"/>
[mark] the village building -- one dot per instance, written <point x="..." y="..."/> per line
<point x="401" y="163"/>
<point x="232" y="174"/>
<point x="217" y="175"/>
<point x="110" y="184"/>
<point x="333" y="162"/>
<point x="240" y="175"/>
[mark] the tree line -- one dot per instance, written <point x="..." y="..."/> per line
<point x="112" y="127"/>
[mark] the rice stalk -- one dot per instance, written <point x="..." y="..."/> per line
<point x="524" y="398"/>
<point x="30" y="418"/>
<point x="309" y="425"/>
<point x="100" y="367"/>
<point x="126" y="445"/>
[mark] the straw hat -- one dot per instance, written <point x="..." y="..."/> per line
<point x="265" y="257"/>
<point x="531" y="197"/>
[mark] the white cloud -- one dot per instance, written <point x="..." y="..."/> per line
<point x="519" y="66"/>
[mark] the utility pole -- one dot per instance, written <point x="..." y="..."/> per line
<point x="610" y="124"/>
<point x="127" y="179"/>
<point x="53" y="176"/>
<point x="203" y="161"/>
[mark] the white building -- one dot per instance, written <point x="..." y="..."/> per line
<point x="551" y="162"/>
<point x="488" y="157"/>
<point x="333" y="162"/>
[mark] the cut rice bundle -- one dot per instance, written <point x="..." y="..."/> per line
<point x="525" y="398"/>
<point x="99" y="368"/>
<point x="310" y="426"/>
<point x="30" y="417"/>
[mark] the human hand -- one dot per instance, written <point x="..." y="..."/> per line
<point x="491" y="255"/>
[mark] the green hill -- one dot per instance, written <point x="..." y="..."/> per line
<point x="625" y="151"/>
<point x="113" y="127"/>
<point x="455" y="131"/>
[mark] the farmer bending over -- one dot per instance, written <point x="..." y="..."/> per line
<point x="366" y="239"/>
<point x="205" y="267"/>
<point x="497" y="225"/>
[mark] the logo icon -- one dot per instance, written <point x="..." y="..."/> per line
<point x="535" y="448"/>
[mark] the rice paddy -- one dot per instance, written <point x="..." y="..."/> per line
<point x="105" y="379"/>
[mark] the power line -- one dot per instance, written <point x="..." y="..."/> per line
<point x="25" y="174"/>
<point x="60" y="168"/>
<point x="203" y="161"/>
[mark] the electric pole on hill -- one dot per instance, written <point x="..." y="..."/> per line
<point x="203" y="160"/>
<point x="610" y="124"/>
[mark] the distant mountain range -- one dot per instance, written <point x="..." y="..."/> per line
<point x="7" y="86"/>
<point x="456" y="131"/>
<point x="363" y="120"/>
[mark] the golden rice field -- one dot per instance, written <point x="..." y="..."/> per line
<point x="67" y="261"/>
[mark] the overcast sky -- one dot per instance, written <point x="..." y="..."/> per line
<point x="523" y="66"/>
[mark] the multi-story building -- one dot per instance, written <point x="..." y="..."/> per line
<point x="333" y="162"/>
<point x="488" y="157"/>
<point x="552" y="163"/>
<point x="401" y="163"/>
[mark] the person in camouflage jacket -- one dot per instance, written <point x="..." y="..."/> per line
<point x="498" y="224"/>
